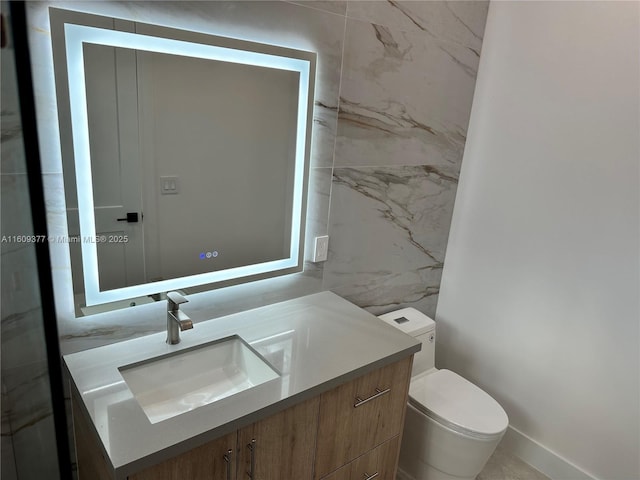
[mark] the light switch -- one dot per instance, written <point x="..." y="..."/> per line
<point x="169" y="185"/>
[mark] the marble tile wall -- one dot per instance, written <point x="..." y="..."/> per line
<point x="27" y="421"/>
<point x="408" y="77"/>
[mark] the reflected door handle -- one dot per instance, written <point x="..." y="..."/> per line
<point x="132" y="217"/>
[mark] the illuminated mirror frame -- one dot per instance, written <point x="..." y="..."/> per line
<point x="75" y="37"/>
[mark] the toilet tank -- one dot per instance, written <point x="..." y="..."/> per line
<point x="422" y="328"/>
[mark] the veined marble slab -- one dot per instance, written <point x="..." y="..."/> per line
<point x="389" y="228"/>
<point x="405" y="98"/>
<point x="460" y="22"/>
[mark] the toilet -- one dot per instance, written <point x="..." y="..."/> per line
<point x="452" y="426"/>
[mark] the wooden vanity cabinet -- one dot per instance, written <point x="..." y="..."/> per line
<point x="342" y="434"/>
<point x="276" y="448"/>
<point x="379" y="463"/>
<point x="91" y="460"/>
<point x="211" y="461"/>
<point x="283" y="448"/>
<point x="206" y="462"/>
<point x="283" y="445"/>
<point x="360" y="415"/>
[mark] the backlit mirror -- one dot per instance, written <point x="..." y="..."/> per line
<point x="185" y="156"/>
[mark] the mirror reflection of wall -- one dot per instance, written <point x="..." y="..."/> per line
<point x="208" y="164"/>
<point x="193" y="160"/>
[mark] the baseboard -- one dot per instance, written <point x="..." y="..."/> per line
<point x="541" y="458"/>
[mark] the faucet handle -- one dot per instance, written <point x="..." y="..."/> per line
<point x="175" y="299"/>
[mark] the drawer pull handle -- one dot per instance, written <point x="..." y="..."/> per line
<point x="369" y="477"/>
<point x="379" y="393"/>
<point x="227" y="459"/>
<point x="252" y="448"/>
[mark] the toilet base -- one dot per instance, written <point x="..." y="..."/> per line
<point x="429" y="449"/>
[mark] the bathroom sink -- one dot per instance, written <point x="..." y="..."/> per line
<point x="178" y="382"/>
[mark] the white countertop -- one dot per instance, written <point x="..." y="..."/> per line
<point x="316" y="342"/>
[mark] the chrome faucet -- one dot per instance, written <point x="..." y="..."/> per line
<point x="176" y="320"/>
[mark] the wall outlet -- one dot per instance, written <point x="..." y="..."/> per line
<point x="321" y="249"/>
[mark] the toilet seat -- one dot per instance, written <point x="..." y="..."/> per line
<point x="458" y="404"/>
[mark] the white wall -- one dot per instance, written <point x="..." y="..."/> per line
<point x="235" y="183"/>
<point x="539" y="296"/>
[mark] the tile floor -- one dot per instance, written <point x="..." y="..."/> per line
<point x="505" y="466"/>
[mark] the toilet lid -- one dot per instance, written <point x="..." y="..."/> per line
<point x="457" y="403"/>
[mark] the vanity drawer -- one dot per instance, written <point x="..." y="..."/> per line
<point x="360" y="415"/>
<point x="379" y="463"/>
